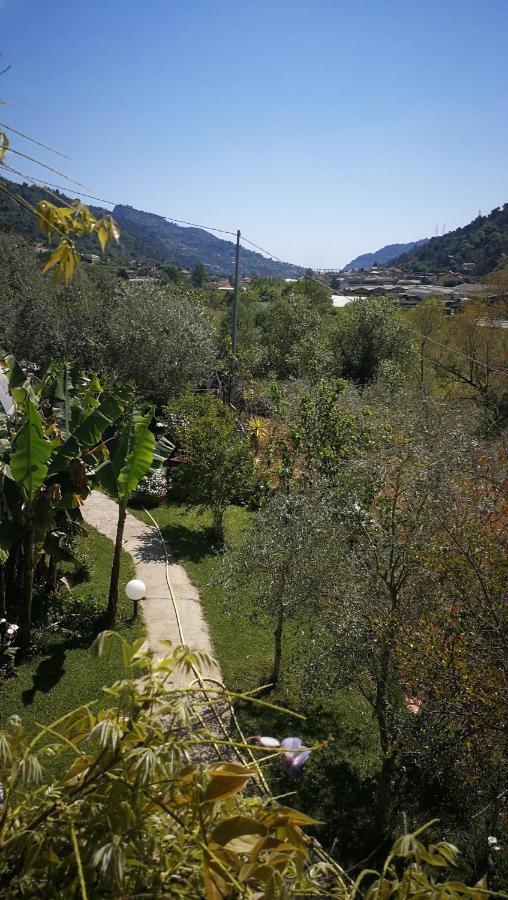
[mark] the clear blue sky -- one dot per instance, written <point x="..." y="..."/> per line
<point x="321" y="128"/>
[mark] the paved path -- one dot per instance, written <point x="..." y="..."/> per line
<point x="145" y="546"/>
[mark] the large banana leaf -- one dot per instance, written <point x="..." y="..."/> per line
<point x="63" y="399"/>
<point x="139" y="458"/>
<point x="89" y="432"/>
<point x="28" y="462"/>
<point x="15" y="375"/>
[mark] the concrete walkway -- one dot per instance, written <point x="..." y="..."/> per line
<point x="145" y="546"/>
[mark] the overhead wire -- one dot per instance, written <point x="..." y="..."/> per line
<point x="32" y="140"/>
<point x="399" y="324"/>
<point x="45" y="166"/>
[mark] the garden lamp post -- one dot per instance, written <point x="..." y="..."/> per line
<point x="136" y="591"/>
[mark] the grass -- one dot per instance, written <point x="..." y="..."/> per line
<point x="338" y="776"/>
<point x="61" y="674"/>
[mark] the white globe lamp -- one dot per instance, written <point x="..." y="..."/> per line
<point x="135" y="590"/>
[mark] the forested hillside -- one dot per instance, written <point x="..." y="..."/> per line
<point x="383" y="255"/>
<point x="145" y="236"/>
<point x="481" y="246"/>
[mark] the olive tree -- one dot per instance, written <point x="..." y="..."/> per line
<point x="161" y="337"/>
<point x="284" y="563"/>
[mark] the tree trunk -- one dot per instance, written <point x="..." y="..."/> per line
<point x="115" y="569"/>
<point x="383" y="803"/>
<point x="277" y="647"/>
<point x="3" y="609"/>
<point x="218" y="525"/>
<point x="52" y="575"/>
<point x="27" y="590"/>
<point x="384" y="799"/>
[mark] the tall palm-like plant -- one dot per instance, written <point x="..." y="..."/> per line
<point x="50" y="444"/>
<point x="137" y="451"/>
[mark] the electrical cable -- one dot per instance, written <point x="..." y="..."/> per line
<point x="472" y="359"/>
<point x="32" y="140"/>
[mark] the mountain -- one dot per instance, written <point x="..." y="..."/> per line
<point x="147" y="237"/>
<point x="382" y="256"/>
<point x="478" y="247"/>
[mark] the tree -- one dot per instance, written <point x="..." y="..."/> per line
<point x="199" y="275"/>
<point x="160" y="337"/>
<point x="218" y="464"/>
<point x="295" y="338"/>
<point x="325" y="432"/>
<point x="367" y="333"/>
<point x="173" y="273"/>
<point x="283" y="564"/>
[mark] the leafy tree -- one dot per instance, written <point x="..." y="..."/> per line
<point x="218" y="464"/>
<point x="283" y="564"/>
<point x="325" y="432"/>
<point x="173" y="274"/>
<point x="161" y="338"/>
<point x="295" y="338"/>
<point x="199" y="275"/>
<point x="367" y="333"/>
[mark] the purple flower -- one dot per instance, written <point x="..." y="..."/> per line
<point x="294" y="756"/>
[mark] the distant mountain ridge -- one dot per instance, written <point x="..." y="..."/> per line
<point x="383" y="255"/>
<point x="479" y="247"/>
<point x="148" y="237"/>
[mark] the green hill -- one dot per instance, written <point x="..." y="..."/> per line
<point x="382" y="256"/>
<point x="147" y="237"/>
<point x="479" y="247"/>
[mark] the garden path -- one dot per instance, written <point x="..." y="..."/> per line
<point x="144" y="544"/>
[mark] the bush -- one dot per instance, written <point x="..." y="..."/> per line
<point x="153" y="488"/>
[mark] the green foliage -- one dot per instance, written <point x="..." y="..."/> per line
<point x="31" y="450"/>
<point x="199" y="275"/>
<point x="217" y="465"/>
<point x="53" y="435"/>
<point x="483" y="243"/>
<point x="367" y="333"/>
<point x="160" y="337"/>
<point x="295" y="337"/>
<point x="324" y="432"/>
<point x="138" y="809"/>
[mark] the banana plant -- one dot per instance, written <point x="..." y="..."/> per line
<point x="136" y="453"/>
<point x="50" y="445"/>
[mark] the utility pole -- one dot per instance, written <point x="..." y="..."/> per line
<point x="234" y="315"/>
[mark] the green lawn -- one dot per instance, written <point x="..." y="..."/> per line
<point x="62" y="674"/>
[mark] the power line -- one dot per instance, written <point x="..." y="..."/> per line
<point x="60" y="187"/>
<point x="27" y="137"/>
<point x="44" y="166"/>
<point x="272" y="255"/>
<point x="472" y="359"/>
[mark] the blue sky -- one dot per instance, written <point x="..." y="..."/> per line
<point x="322" y="129"/>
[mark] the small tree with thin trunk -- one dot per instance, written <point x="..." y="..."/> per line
<point x="284" y="563"/>
<point x="217" y="463"/>
<point x="136" y="452"/>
